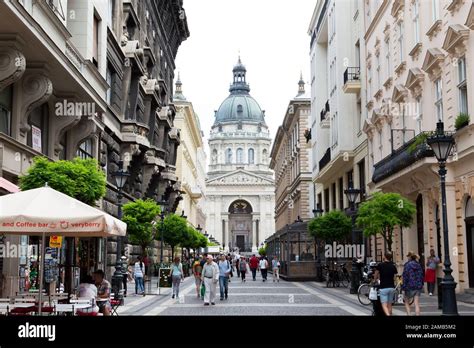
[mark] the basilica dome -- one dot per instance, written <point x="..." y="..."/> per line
<point x="239" y="106"/>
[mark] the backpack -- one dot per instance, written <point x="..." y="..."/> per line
<point x="242" y="266"/>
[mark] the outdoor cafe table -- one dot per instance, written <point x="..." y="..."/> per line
<point x="71" y="307"/>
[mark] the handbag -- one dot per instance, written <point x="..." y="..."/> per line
<point x="373" y="294"/>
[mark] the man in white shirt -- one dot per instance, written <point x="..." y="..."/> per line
<point x="210" y="277"/>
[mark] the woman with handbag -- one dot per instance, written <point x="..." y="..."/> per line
<point x="177" y="275"/>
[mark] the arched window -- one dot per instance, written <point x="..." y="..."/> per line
<point x="85" y="149"/>
<point x="251" y="156"/>
<point x="240" y="156"/>
<point x="228" y="156"/>
<point x="214" y="156"/>
<point x="240" y="108"/>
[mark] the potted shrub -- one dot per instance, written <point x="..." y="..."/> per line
<point x="461" y="121"/>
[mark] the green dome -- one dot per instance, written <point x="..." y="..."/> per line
<point x="239" y="105"/>
<point x="239" y="108"/>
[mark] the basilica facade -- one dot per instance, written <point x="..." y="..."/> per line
<point x="240" y="186"/>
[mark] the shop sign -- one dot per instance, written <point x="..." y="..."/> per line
<point x="55" y="241"/>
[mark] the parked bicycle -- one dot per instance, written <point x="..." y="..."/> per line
<point x="337" y="276"/>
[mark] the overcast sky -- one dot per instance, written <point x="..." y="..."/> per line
<point x="274" y="46"/>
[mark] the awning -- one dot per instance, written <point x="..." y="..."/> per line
<point x="8" y="186"/>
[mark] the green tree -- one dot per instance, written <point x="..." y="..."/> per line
<point x="79" y="178"/>
<point x="139" y="216"/>
<point x="331" y="227"/>
<point x="262" y="251"/>
<point x="383" y="212"/>
<point x="174" y="231"/>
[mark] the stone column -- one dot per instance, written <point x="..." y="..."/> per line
<point x="227" y="234"/>
<point x="254" y="236"/>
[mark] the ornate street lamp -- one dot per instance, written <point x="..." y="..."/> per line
<point x="121" y="177"/>
<point x="199" y="228"/>
<point x="352" y="194"/>
<point x="442" y="143"/>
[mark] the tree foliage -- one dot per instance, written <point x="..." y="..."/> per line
<point x="331" y="227"/>
<point x="79" y="178"/>
<point x="174" y="231"/>
<point x="139" y="216"/>
<point x="262" y="251"/>
<point x="383" y="212"/>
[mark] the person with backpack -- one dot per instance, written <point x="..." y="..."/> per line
<point x="177" y="275"/>
<point x="276" y="269"/>
<point x="242" y="268"/>
<point x="197" y="272"/>
<point x="412" y="282"/>
<point x="253" y="263"/>
<point x="224" y="272"/>
<point x="139" y="273"/>
<point x="263" y="265"/>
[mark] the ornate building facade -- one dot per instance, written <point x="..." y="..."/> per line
<point x="191" y="160"/>
<point x="290" y="159"/>
<point x="419" y="72"/>
<point x="113" y="61"/>
<point x="240" y="185"/>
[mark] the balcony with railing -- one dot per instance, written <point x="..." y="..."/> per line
<point x="325" y="111"/>
<point x="352" y="83"/>
<point x="325" y="159"/>
<point x="402" y="156"/>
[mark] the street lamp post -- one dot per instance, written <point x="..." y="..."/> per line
<point x="121" y="177"/>
<point x="319" y="268"/>
<point x="352" y="194"/>
<point x="442" y="143"/>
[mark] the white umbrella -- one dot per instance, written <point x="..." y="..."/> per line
<point x="45" y="211"/>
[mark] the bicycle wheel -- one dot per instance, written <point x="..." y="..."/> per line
<point x="363" y="294"/>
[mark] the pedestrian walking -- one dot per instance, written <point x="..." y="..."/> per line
<point x="242" y="268"/>
<point x="197" y="272"/>
<point x="276" y="269"/>
<point x="139" y="273"/>
<point x="210" y="277"/>
<point x="263" y="265"/>
<point x="385" y="272"/>
<point x="237" y="264"/>
<point x="430" y="274"/>
<point x="177" y="275"/>
<point x="253" y="266"/>
<point x="231" y="274"/>
<point x="125" y="274"/>
<point x="412" y="282"/>
<point x="225" y="270"/>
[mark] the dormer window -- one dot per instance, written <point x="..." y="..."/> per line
<point x="240" y="108"/>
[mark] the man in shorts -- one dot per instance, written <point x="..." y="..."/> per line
<point x="385" y="272"/>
